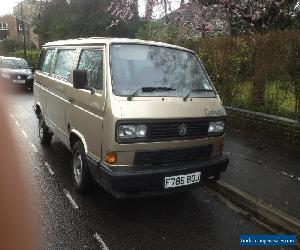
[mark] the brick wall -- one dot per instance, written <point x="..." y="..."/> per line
<point x="12" y="26"/>
<point x="277" y="127"/>
<point x="16" y="34"/>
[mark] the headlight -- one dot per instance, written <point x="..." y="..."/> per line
<point x="216" y="127"/>
<point x="29" y="77"/>
<point x="132" y="131"/>
<point x="4" y="75"/>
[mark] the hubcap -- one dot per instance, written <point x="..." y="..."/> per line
<point x="41" y="131"/>
<point x="77" y="168"/>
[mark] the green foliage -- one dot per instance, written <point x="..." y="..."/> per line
<point x="32" y="56"/>
<point x="11" y="45"/>
<point x="62" y="19"/>
<point x="263" y="65"/>
<point x="272" y="60"/>
<point x="228" y="61"/>
<point x="280" y="98"/>
<point x="159" y="31"/>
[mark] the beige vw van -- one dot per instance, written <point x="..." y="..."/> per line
<point x="140" y="117"/>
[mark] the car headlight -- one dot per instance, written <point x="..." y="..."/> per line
<point x="29" y="77"/>
<point x="4" y="75"/>
<point x="216" y="127"/>
<point x="126" y="131"/>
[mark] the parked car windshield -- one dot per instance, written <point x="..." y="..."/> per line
<point x="173" y="72"/>
<point x="13" y="64"/>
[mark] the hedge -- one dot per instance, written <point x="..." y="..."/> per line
<point x="266" y="65"/>
<point x="32" y="56"/>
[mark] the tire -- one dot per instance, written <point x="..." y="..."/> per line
<point x="80" y="171"/>
<point x="45" y="134"/>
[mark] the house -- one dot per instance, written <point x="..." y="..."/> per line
<point x="11" y="28"/>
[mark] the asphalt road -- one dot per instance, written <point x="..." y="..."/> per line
<point x="265" y="168"/>
<point x="67" y="220"/>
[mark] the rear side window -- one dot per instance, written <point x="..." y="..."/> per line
<point x="92" y="61"/>
<point x="64" y="63"/>
<point x="47" y="60"/>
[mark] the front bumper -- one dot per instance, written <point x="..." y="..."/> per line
<point x="27" y="84"/>
<point x="133" y="181"/>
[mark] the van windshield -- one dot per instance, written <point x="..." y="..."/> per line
<point x="168" y="71"/>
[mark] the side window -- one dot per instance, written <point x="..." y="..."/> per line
<point x="47" y="60"/>
<point x="92" y="61"/>
<point x="64" y="63"/>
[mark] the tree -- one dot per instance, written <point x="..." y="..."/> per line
<point x="251" y="14"/>
<point x="30" y="9"/>
<point x="231" y="16"/>
<point x="64" y="19"/>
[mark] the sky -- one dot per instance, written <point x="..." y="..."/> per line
<point x="7" y="6"/>
<point x="158" y="12"/>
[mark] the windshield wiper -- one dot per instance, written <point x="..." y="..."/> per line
<point x="197" y="90"/>
<point x="148" y="89"/>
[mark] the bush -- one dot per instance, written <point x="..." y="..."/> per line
<point x="267" y="65"/>
<point x="159" y="31"/>
<point x="32" y="56"/>
<point x="11" y="45"/>
<point x="270" y="61"/>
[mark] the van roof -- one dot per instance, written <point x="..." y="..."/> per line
<point x="107" y="40"/>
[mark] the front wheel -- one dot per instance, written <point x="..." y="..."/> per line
<point x="81" y="174"/>
<point x="45" y="134"/>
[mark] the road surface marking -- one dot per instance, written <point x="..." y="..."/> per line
<point x="33" y="146"/>
<point x="18" y="124"/>
<point x="24" y="133"/>
<point x="70" y="199"/>
<point x="291" y="176"/>
<point x="49" y="168"/>
<point x="101" y="242"/>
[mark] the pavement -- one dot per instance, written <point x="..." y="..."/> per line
<point x="265" y="168"/>
<point x="193" y="220"/>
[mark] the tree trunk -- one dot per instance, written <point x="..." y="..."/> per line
<point x="297" y="100"/>
<point x="228" y="94"/>
<point x="259" y="89"/>
<point x="149" y="9"/>
<point x="166" y="11"/>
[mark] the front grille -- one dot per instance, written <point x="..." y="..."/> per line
<point x="170" y="130"/>
<point x="170" y="156"/>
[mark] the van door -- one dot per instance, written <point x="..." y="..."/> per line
<point x="41" y="78"/>
<point x="86" y="109"/>
<point x="57" y="98"/>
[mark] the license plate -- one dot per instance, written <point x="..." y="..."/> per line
<point x="182" y="180"/>
<point x="19" y="81"/>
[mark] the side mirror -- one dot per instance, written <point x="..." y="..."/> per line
<point x="80" y="79"/>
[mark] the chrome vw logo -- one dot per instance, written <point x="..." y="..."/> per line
<point x="19" y="77"/>
<point x="182" y="130"/>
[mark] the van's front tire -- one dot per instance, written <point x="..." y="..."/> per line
<point x="81" y="174"/>
<point x="45" y="134"/>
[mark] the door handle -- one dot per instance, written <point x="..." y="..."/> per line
<point x="70" y="99"/>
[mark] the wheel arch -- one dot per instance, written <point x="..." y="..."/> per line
<point x="38" y="109"/>
<point x="75" y="135"/>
